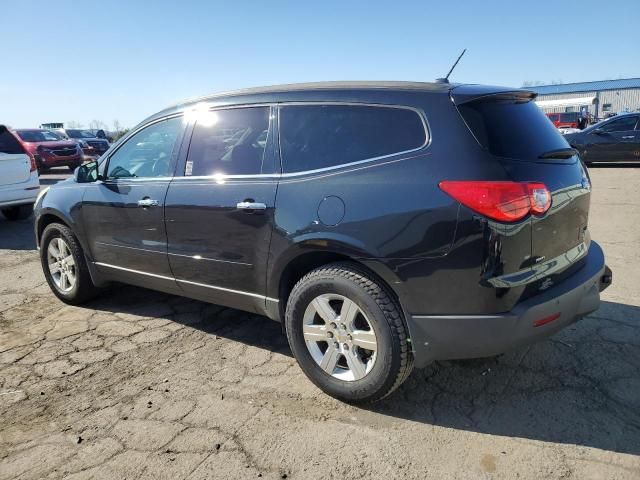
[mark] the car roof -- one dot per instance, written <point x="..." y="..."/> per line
<point x="325" y="91"/>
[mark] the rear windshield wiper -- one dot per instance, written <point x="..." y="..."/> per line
<point x="559" y="153"/>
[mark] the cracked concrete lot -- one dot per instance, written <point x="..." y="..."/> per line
<point x="139" y="384"/>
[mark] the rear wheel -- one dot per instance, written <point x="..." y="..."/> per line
<point x="20" y="212"/>
<point x="348" y="334"/>
<point x="64" y="265"/>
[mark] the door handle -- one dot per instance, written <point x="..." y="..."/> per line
<point x="626" y="137"/>
<point x="148" y="202"/>
<point x="251" y="206"/>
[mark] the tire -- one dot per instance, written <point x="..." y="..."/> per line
<point x="338" y="285"/>
<point x="21" y="212"/>
<point x="83" y="288"/>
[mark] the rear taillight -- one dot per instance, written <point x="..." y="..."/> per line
<point x="502" y="201"/>
<point x="34" y="167"/>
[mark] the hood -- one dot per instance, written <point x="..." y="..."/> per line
<point x="53" y="145"/>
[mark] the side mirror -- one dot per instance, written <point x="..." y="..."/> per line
<point x="86" y="173"/>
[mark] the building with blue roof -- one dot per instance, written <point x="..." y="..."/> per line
<point x="599" y="98"/>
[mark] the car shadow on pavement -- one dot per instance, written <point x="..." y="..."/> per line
<point x="244" y="327"/>
<point x="17" y="235"/>
<point x="580" y="387"/>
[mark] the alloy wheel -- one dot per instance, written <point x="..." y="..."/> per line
<point x="62" y="266"/>
<point x="339" y="337"/>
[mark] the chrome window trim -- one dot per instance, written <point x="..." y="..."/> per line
<point x="173" y="279"/>
<point x="419" y="112"/>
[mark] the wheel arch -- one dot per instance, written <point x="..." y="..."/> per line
<point x="47" y="218"/>
<point x="302" y="259"/>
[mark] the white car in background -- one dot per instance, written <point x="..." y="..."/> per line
<point x="19" y="184"/>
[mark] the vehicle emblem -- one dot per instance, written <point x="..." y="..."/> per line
<point x="546" y="284"/>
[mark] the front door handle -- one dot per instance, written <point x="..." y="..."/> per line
<point x="148" y="202"/>
<point x="627" y="137"/>
<point x="251" y="206"/>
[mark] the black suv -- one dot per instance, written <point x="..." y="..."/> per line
<point x="384" y="224"/>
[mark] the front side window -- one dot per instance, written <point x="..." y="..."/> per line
<point x="620" y="124"/>
<point x="320" y="136"/>
<point x="229" y="142"/>
<point x="147" y="153"/>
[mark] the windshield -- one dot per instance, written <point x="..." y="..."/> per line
<point x="512" y="128"/>
<point x="39" y="136"/>
<point x="80" y="134"/>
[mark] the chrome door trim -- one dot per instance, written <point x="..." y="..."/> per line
<point x="173" y="279"/>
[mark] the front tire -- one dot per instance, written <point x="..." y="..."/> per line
<point x="64" y="265"/>
<point x="348" y="334"/>
<point x="20" y="212"/>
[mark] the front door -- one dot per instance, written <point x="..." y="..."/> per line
<point x="613" y="141"/>
<point x="219" y="208"/>
<point x="123" y="213"/>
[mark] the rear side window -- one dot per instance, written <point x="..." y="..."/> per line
<point x="511" y="127"/>
<point x="229" y="142"/>
<point x="8" y="143"/>
<point x="320" y="136"/>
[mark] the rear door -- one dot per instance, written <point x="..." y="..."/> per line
<point x="123" y="214"/>
<point x="513" y="129"/>
<point x="220" y="206"/>
<point x="15" y="165"/>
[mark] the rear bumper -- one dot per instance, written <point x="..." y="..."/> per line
<point x="441" y="337"/>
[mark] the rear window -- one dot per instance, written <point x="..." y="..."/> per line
<point x="8" y="143"/>
<point x="320" y="136"/>
<point x="511" y="127"/>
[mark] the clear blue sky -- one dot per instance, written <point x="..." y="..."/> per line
<point x="107" y="60"/>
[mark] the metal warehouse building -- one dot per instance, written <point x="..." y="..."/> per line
<point x="599" y="99"/>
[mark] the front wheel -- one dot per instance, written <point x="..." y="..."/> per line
<point x="348" y="334"/>
<point x="64" y="265"/>
<point x="20" y="212"/>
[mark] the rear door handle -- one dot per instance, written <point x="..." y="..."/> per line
<point x="148" y="202"/>
<point x="626" y="137"/>
<point x="251" y="206"/>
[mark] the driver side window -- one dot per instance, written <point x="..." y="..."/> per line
<point x="620" y="125"/>
<point x="147" y="153"/>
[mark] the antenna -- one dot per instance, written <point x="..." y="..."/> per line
<point x="446" y="79"/>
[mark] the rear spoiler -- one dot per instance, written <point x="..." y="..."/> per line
<point x="471" y="93"/>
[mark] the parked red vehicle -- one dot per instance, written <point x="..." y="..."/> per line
<point x="49" y="149"/>
<point x="565" y="120"/>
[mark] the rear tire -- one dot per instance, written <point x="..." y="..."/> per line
<point x="20" y="212"/>
<point x="64" y="265"/>
<point x="340" y="364"/>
